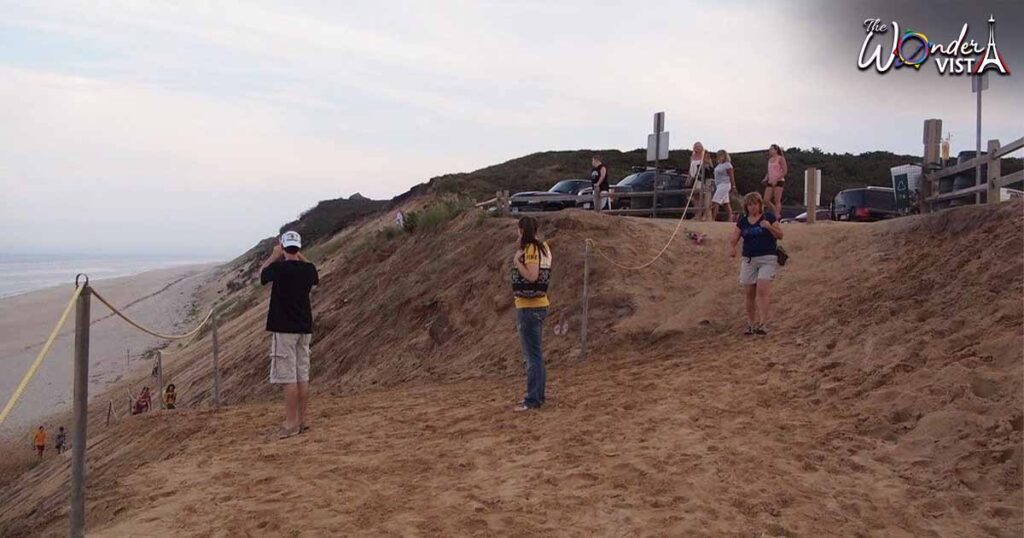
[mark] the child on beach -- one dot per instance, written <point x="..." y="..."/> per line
<point x="40" y="442"/>
<point x="61" y="442"/>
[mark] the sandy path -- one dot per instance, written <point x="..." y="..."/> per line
<point x="657" y="459"/>
<point x="25" y="322"/>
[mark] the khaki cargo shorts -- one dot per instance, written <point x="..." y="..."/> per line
<point x="758" y="268"/>
<point x="289" y="357"/>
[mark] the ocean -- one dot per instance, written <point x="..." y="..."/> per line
<point x="29" y="272"/>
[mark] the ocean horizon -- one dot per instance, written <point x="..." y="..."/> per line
<point x="25" y="273"/>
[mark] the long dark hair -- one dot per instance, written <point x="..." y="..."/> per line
<point x="528" y="225"/>
<point x="777" y="149"/>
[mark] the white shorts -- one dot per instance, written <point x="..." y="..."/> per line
<point x="758" y="268"/>
<point x="289" y="357"/>
<point x="721" y="196"/>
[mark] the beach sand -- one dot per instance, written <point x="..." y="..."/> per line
<point x="26" y="321"/>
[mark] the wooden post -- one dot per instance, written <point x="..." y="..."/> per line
<point x="995" y="170"/>
<point x="597" y="198"/>
<point x="160" y="377"/>
<point x="216" y="362"/>
<point x="811" y="184"/>
<point x="110" y="411"/>
<point x="81" y="414"/>
<point x="586" y="301"/>
<point x="932" y="161"/>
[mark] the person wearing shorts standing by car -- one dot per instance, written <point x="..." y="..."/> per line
<point x="760" y="231"/>
<point x="775" y="179"/>
<point x="725" y="184"/>
<point x="290" y="322"/>
<point x="599" y="178"/>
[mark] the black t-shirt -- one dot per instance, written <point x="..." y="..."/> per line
<point x="290" y="311"/>
<point x="757" y="241"/>
<point x="595" y="175"/>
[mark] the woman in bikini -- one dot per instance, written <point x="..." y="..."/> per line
<point x="775" y="179"/>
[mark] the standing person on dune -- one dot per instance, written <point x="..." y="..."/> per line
<point x="39" y="441"/>
<point x="760" y="232"/>
<point x="531" y="272"/>
<point x="290" y="322"/>
<point x="775" y="179"/>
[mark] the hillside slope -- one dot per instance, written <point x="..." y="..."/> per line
<point x="887" y="400"/>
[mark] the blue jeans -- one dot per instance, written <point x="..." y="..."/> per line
<point x="530" y="322"/>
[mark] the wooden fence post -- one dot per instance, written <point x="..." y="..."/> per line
<point x="160" y="377"/>
<point x="932" y="160"/>
<point x="811" y="184"/>
<point x="586" y="302"/>
<point x="995" y="170"/>
<point x="81" y="414"/>
<point x="216" y="362"/>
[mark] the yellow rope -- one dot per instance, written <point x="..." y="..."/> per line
<point x="150" y="331"/>
<point x="39" y="358"/>
<point x="675" y="232"/>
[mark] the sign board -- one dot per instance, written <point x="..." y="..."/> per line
<point x="662" y="146"/>
<point x="1009" y="194"/>
<point x="906" y="180"/>
<point x="659" y="122"/>
<point x="817" y="187"/>
<point x="979" y="80"/>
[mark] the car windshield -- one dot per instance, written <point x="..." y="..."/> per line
<point x="565" y="187"/>
<point x="632" y="179"/>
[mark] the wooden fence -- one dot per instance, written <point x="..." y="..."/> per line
<point x="931" y="197"/>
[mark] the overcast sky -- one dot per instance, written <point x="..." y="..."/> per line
<point x="160" y="127"/>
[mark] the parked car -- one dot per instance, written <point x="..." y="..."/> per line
<point x="864" y="204"/>
<point x="551" y="199"/>
<point x="644" y="181"/>
<point x="820" y="214"/>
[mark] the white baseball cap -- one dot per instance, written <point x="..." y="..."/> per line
<point x="291" y="239"/>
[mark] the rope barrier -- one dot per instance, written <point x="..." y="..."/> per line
<point x="140" y="327"/>
<point x="39" y="358"/>
<point x="675" y="232"/>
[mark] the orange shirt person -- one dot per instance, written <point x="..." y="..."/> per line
<point x="40" y="441"/>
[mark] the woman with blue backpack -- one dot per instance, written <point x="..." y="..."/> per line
<point x="531" y="272"/>
<point x="760" y="232"/>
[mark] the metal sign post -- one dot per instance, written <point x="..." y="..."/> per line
<point x="657" y="149"/>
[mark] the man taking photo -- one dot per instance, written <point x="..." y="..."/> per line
<point x="290" y="322"/>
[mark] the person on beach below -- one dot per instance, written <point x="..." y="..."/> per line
<point x="61" y="442"/>
<point x="700" y="167"/>
<point x="599" y="178"/>
<point x="775" y="179"/>
<point x="725" y="185"/>
<point x="170" y="396"/>
<point x="39" y="441"/>
<point x="143" y="403"/>
<point x="290" y="322"/>
<point x="531" y="272"/>
<point x="760" y="231"/>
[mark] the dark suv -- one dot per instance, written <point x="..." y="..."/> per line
<point x="643" y="181"/>
<point x="864" y="204"/>
<point x="549" y="200"/>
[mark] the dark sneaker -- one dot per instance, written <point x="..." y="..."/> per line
<point x="760" y="330"/>
<point x="750" y="331"/>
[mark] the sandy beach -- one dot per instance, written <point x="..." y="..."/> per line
<point x="164" y="300"/>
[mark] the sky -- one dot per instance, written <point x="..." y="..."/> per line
<point x="196" y="129"/>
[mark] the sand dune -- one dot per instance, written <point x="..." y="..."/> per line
<point x="885" y="402"/>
